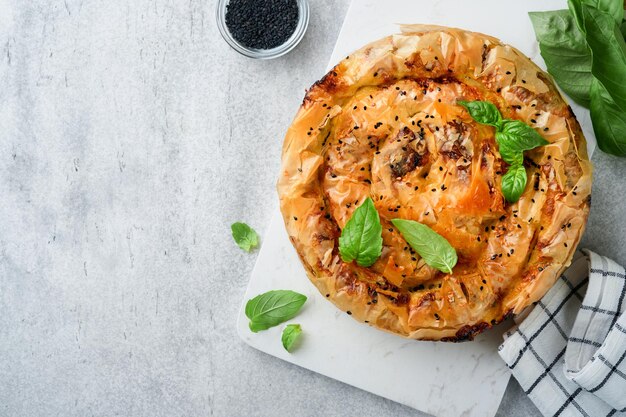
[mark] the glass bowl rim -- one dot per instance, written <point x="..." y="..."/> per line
<point x="287" y="46"/>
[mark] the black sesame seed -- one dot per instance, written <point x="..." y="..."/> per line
<point x="262" y="24"/>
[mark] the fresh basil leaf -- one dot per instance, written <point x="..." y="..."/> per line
<point x="483" y="112"/>
<point x="510" y="156"/>
<point x="609" y="122"/>
<point x="614" y="8"/>
<point x="431" y="246"/>
<point x="361" y="239"/>
<point x="608" y="50"/>
<point x="518" y="136"/>
<point x="291" y="334"/>
<point x="272" y="308"/>
<point x="245" y="237"/>
<point x="514" y="183"/>
<point x="565" y="52"/>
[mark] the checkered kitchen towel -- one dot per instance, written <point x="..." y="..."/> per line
<point x="568" y="353"/>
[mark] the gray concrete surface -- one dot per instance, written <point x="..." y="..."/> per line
<point x="131" y="137"/>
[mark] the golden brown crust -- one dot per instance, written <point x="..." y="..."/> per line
<point x="384" y="123"/>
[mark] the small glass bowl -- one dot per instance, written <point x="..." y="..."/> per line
<point x="292" y="42"/>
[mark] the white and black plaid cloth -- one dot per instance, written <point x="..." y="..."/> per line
<point x="568" y="353"/>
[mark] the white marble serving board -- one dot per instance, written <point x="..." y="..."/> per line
<point x="442" y="379"/>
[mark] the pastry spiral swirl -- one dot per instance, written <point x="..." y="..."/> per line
<point x="385" y="123"/>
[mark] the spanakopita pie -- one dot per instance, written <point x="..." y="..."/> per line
<point x="389" y="123"/>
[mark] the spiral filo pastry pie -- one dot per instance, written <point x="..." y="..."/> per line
<point x="385" y="123"/>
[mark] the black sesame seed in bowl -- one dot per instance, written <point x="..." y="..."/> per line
<point x="262" y="29"/>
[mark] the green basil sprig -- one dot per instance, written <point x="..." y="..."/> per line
<point x="613" y="8"/>
<point x="608" y="51"/>
<point x="585" y="52"/>
<point x="564" y="49"/>
<point x="361" y="239"/>
<point x="514" y="182"/>
<point x="608" y="120"/>
<point x="483" y="112"/>
<point x="245" y="236"/>
<point x="273" y="308"/>
<point x="431" y="246"/>
<point x="514" y="138"/>
<point x="290" y="336"/>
